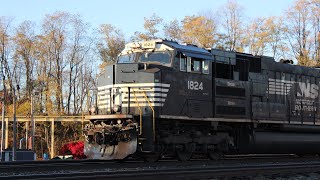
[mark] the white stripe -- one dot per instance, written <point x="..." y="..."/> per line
<point x="134" y="100"/>
<point x="135" y="90"/>
<point x="143" y="95"/>
<point x="132" y="96"/>
<point x="145" y="100"/>
<point x="146" y="90"/>
<point x="134" y="85"/>
<point x="281" y="80"/>
<point x="278" y="93"/>
<point x="142" y="104"/>
<point x="279" y="86"/>
<point x="156" y="93"/>
<point x="136" y="105"/>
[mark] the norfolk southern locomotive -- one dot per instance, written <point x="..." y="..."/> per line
<point x="164" y="98"/>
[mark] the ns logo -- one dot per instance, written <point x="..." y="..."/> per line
<point x="308" y="90"/>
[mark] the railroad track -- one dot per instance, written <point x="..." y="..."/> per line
<point x="165" y="169"/>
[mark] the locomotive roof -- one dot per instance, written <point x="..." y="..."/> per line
<point x="189" y="50"/>
<point x="268" y="63"/>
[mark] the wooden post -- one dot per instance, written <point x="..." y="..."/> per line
<point x="7" y="134"/>
<point x="33" y="123"/>
<point x="27" y="134"/>
<point x="52" y="138"/>
<point x="14" y="146"/>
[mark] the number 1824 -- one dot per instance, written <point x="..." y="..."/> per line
<point x="195" y="85"/>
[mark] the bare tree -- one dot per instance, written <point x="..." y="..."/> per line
<point x="233" y="25"/>
<point x="256" y="36"/>
<point x="315" y="8"/>
<point x="276" y="30"/>
<point x="111" y="43"/>
<point x="24" y="51"/>
<point x="6" y="49"/>
<point x="173" y="30"/>
<point x="151" y="26"/>
<point x="298" y="24"/>
<point x="55" y="31"/>
<point x="78" y="51"/>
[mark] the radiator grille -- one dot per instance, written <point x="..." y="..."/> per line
<point x="230" y="91"/>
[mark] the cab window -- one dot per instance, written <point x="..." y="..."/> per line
<point x="205" y="67"/>
<point x="197" y="65"/>
<point x="191" y="64"/>
<point x="183" y="64"/>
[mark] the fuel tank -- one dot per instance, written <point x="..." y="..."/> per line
<point x="281" y="142"/>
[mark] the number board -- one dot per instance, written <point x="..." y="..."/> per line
<point x="149" y="44"/>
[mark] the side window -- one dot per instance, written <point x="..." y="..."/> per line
<point x="205" y="67"/>
<point x="195" y="65"/>
<point x="188" y="64"/>
<point x="183" y="64"/>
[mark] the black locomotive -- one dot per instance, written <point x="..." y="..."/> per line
<point x="166" y="98"/>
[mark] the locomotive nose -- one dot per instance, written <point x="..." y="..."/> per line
<point x="120" y="83"/>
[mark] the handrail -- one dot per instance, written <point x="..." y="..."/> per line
<point x="140" y="112"/>
<point x="153" y="116"/>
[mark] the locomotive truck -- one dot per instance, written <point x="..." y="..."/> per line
<point x="164" y="98"/>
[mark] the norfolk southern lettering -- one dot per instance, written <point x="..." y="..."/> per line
<point x="308" y="90"/>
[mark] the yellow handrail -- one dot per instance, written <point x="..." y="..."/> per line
<point x="140" y="112"/>
<point x="153" y="116"/>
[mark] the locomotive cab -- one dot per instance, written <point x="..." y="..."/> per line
<point x="127" y="100"/>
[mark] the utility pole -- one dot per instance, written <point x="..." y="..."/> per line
<point x="14" y="147"/>
<point x="318" y="49"/>
<point x="3" y="112"/>
<point x="32" y="122"/>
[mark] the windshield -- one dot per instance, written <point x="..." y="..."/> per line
<point x="161" y="57"/>
<point x="127" y="58"/>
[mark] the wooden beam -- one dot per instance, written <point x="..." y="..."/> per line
<point x="49" y="118"/>
<point x="27" y="134"/>
<point x="7" y="134"/>
<point x="52" y="138"/>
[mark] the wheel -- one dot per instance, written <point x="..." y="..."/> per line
<point x="215" y="155"/>
<point x="184" y="151"/>
<point x="183" y="156"/>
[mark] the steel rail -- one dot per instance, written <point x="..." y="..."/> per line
<point x="140" y="170"/>
<point x="181" y="172"/>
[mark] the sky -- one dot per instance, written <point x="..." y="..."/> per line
<point x="129" y="15"/>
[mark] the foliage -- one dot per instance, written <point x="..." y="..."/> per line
<point x="22" y="108"/>
<point x="74" y="148"/>
<point x="151" y="25"/>
<point x="199" y="30"/>
<point x="233" y="25"/>
<point x="302" y="31"/>
<point x="173" y="30"/>
<point x="111" y="44"/>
